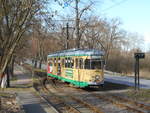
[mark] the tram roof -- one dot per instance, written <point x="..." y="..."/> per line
<point x="77" y="52"/>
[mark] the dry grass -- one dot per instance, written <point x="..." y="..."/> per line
<point x="8" y="103"/>
<point x="4" y="94"/>
<point x="145" y="74"/>
<point x="142" y="95"/>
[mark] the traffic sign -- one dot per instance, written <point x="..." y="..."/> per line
<point x="139" y="55"/>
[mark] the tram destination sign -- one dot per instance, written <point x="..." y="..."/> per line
<point x="139" y="55"/>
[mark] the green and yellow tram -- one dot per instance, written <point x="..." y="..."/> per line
<point x="79" y="67"/>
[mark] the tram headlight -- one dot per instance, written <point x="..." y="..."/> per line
<point x="97" y="77"/>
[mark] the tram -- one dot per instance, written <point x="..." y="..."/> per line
<point x="80" y="67"/>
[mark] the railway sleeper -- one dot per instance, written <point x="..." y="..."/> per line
<point x="93" y="108"/>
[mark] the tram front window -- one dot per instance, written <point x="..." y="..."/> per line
<point x="93" y="64"/>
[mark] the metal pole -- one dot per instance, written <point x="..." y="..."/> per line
<point x="77" y="24"/>
<point x="67" y="30"/>
<point x="135" y="69"/>
<point x="138" y="74"/>
<point x="32" y="75"/>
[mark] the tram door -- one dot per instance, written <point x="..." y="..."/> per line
<point x="49" y="66"/>
<point x="59" y="67"/>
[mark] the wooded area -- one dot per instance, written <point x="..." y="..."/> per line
<point x="28" y="30"/>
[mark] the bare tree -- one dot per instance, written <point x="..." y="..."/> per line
<point x="79" y="13"/>
<point x="102" y="34"/>
<point x="111" y="35"/>
<point x="15" y="18"/>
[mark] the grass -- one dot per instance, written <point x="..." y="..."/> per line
<point x="30" y="67"/>
<point x="35" y="79"/>
<point x="39" y="70"/>
<point x="16" y="89"/>
<point x="145" y="74"/>
<point x="142" y="95"/>
<point x="3" y="94"/>
<point x="14" y="78"/>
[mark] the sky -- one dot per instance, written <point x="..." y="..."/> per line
<point x="134" y="14"/>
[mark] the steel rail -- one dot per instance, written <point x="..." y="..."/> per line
<point x="67" y="107"/>
<point x="90" y="106"/>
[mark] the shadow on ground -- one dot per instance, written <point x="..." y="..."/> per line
<point x="34" y="110"/>
<point x="108" y="86"/>
<point x="21" y="86"/>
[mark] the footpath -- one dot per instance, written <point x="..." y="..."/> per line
<point x="27" y="97"/>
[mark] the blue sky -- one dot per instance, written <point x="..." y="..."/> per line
<point x="134" y="14"/>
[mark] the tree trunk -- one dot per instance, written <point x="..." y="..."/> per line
<point x="11" y="66"/>
<point x="77" y="24"/>
<point x="6" y="61"/>
<point x="35" y="63"/>
<point x="8" y="76"/>
<point x="40" y="64"/>
<point x="3" y="81"/>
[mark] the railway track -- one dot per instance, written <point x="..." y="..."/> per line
<point x="61" y="105"/>
<point x="90" y="108"/>
<point x="44" y="97"/>
<point x="120" y="102"/>
<point x="131" y="102"/>
<point x="55" y="101"/>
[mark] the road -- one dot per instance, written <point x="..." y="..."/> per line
<point x="126" y="80"/>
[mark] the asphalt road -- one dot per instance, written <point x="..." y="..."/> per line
<point x="129" y="81"/>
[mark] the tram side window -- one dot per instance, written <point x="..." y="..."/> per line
<point x="66" y="62"/>
<point x="59" y="61"/>
<point x="87" y="64"/>
<point x="69" y="62"/>
<point x="72" y="63"/>
<point x="50" y="62"/>
<point x="81" y="63"/>
<point x="63" y="62"/>
<point x="77" y="66"/>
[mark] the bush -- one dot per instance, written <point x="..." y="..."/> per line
<point x="120" y="62"/>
